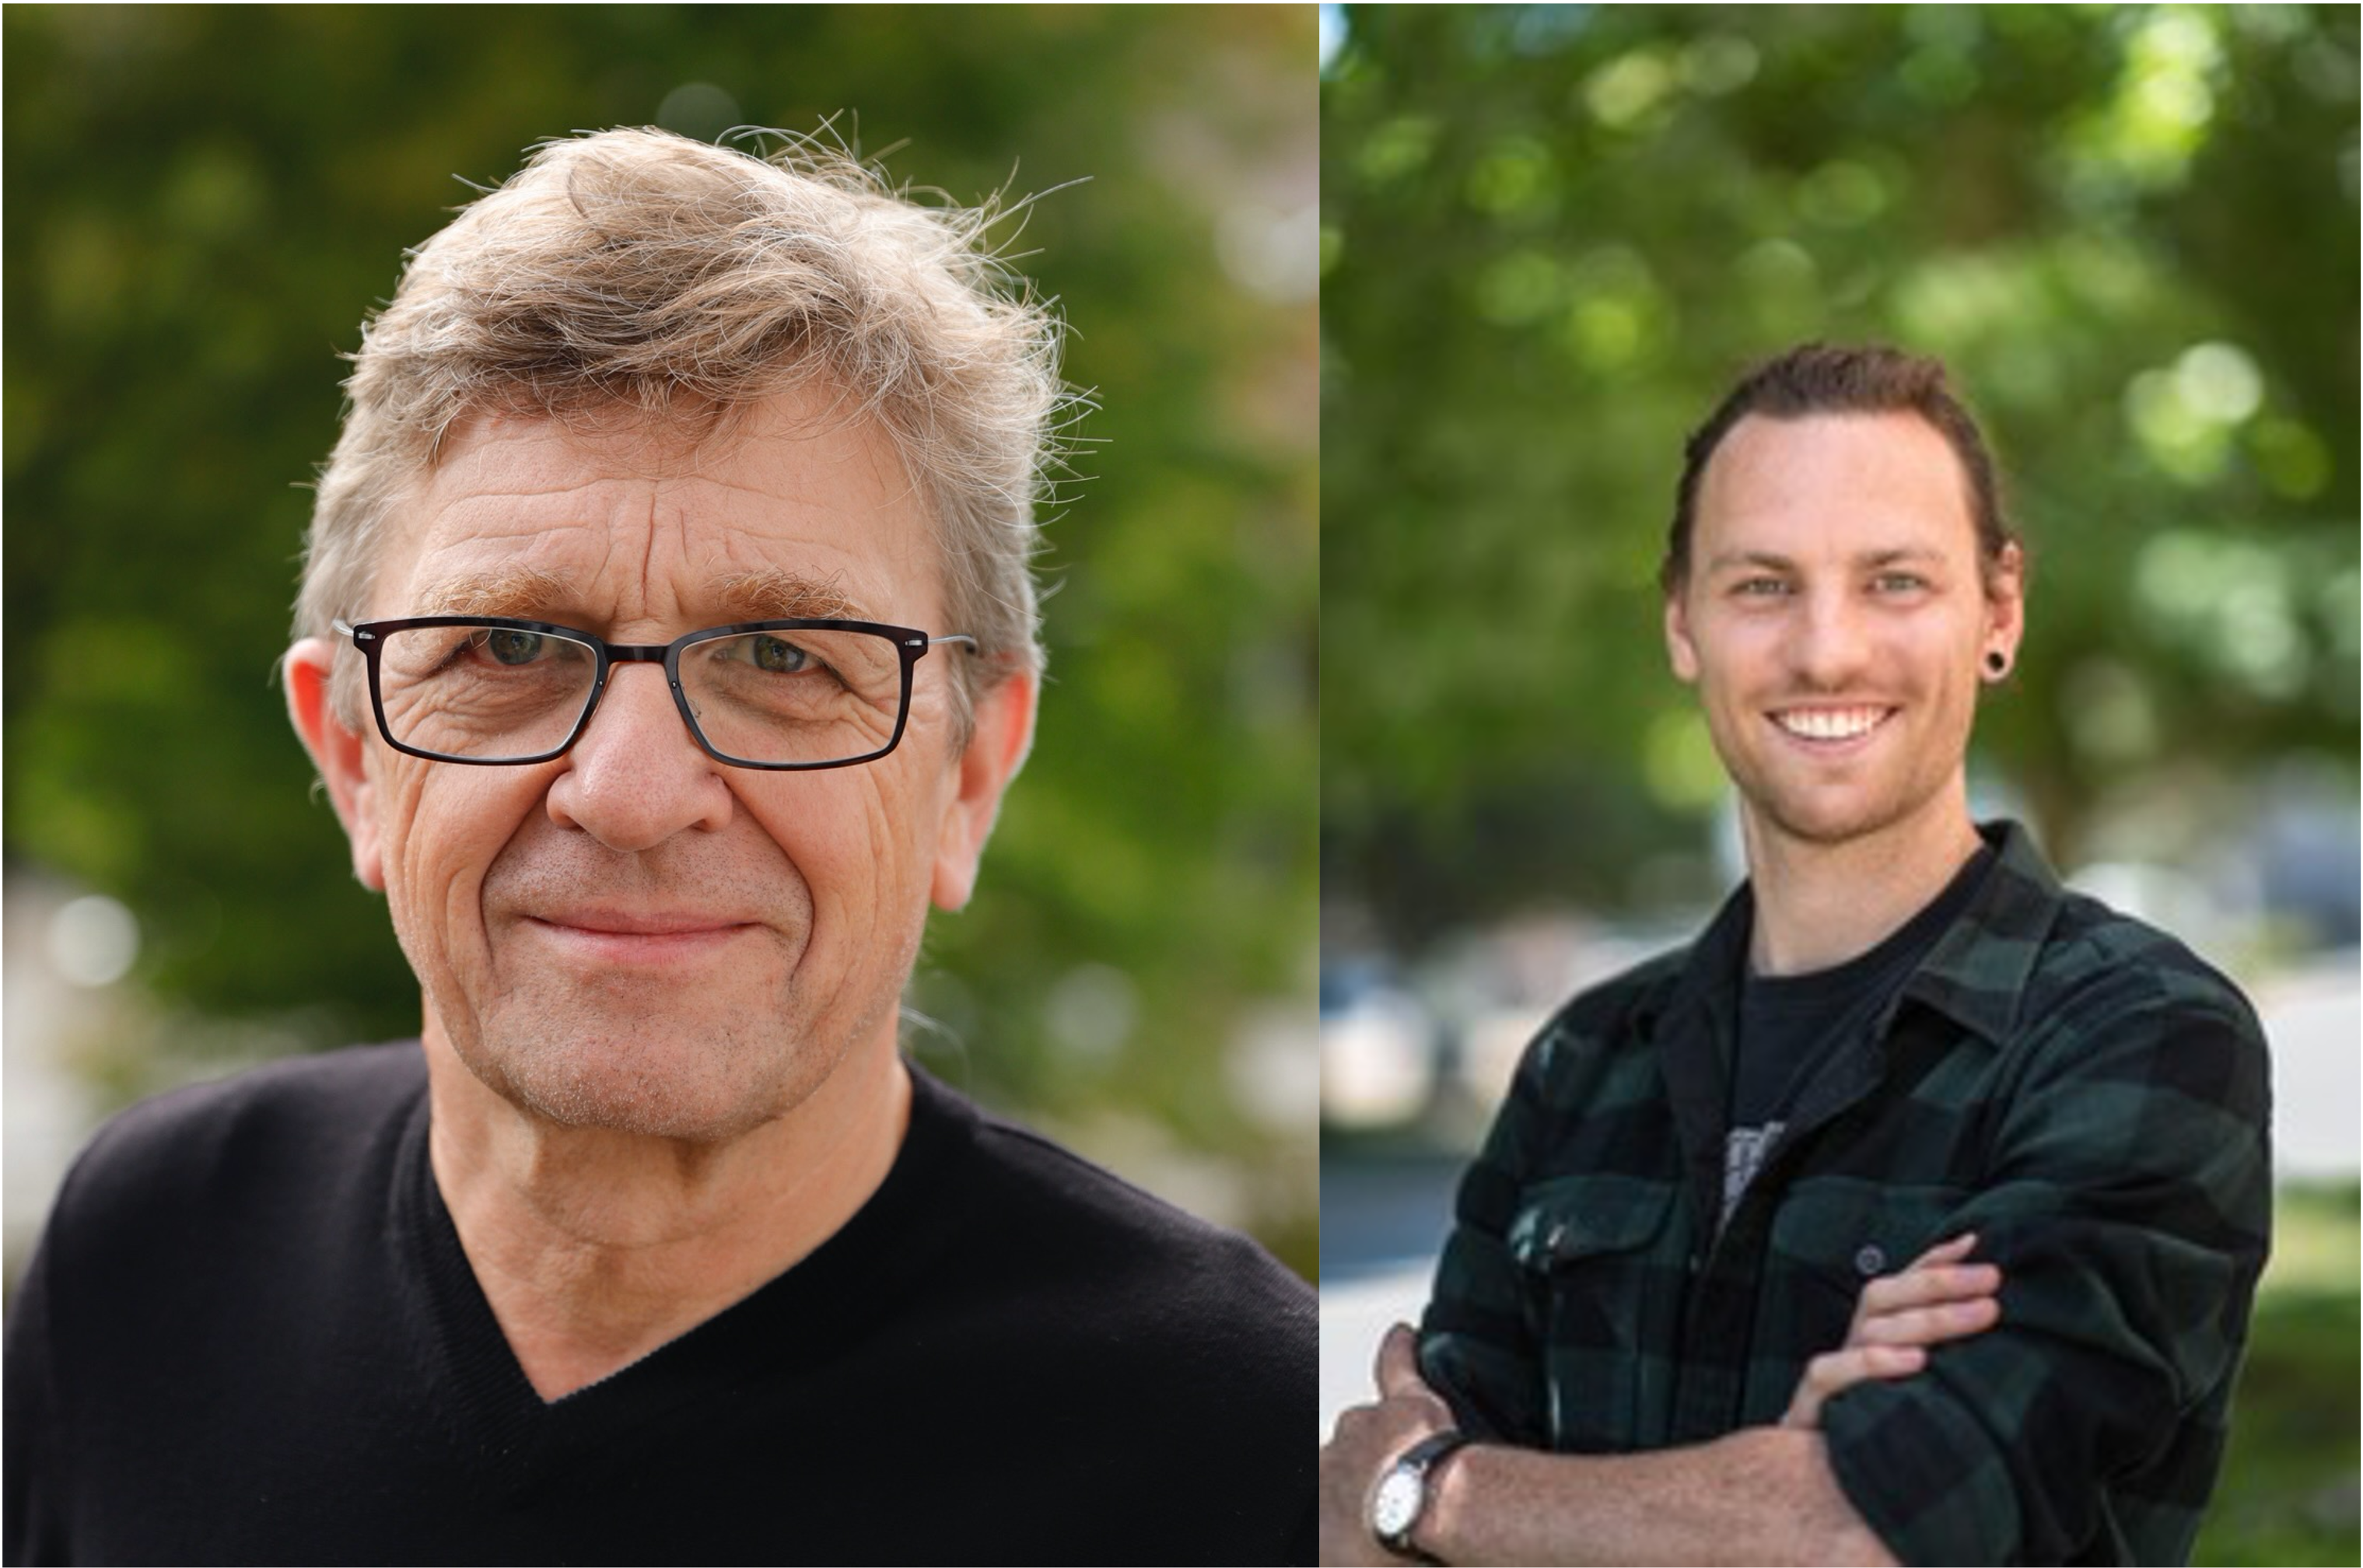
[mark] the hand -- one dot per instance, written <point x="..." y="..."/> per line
<point x="1897" y="1316"/>
<point x="1370" y="1438"/>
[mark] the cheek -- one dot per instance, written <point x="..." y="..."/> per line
<point x="1950" y="660"/>
<point x="867" y="850"/>
<point x="1739" y="657"/>
<point x="840" y="830"/>
<point x="443" y="828"/>
<point x="399" y="786"/>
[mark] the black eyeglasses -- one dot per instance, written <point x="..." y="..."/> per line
<point x="772" y="694"/>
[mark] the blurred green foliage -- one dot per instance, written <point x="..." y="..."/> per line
<point x="1552" y="236"/>
<point x="203" y="201"/>
<point x="2289" y="1491"/>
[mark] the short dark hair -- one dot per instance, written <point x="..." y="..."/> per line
<point x="1817" y="378"/>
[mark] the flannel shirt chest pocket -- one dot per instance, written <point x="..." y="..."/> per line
<point x="1604" y="1271"/>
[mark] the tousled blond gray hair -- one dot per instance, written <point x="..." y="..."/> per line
<point x="684" y="282"/>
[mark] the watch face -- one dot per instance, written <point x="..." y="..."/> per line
<point x="1396" y="1506"/>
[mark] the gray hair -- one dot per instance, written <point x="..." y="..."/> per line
<point x="687" y="281"/>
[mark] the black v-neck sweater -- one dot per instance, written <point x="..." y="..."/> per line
<point x="250" y="1335"/>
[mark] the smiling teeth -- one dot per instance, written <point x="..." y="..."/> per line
<point x="1830" y="723"/>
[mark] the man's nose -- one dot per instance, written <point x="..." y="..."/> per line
<point x="638" y="776"/>
<point x="1831" y="645"/>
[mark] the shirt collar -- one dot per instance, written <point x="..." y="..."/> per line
<point x="1975" y="974"/>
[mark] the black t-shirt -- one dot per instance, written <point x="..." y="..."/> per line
<point x="1789" y="1024"/>
<point x="250" y="1335"/>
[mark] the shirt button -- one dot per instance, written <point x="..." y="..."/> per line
<point x="1868" y="1261"/>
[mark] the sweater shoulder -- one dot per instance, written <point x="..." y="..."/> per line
<point x="292" y="1126"/>
<point x="1078" y="1241"/>
<point x="1085" y="1207"/>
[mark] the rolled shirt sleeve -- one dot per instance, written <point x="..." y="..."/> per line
<point x="2129" y="1213"/>
<point x="1477" y="1347"/>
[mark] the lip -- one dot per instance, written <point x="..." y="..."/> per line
<point x="638" y="937"/>
<point x="1835" y="745"/>
<point x="626" y="922"/>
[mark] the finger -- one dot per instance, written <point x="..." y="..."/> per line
<point x="1952" y="1250"/>
<point x="1829" y="1375"/>
<point x="1398" y="1368"/>
<point x="1928" y="1325"/>
<point x="1925" y="1286"/>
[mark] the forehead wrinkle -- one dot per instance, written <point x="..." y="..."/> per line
<point x="493" y="490"/>
<point x="598" y="579"/>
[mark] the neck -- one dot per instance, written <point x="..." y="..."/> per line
<point x="594" y="1247"/>
<point x="1820" y="904"/>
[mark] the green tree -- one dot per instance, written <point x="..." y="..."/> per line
<point x="1552" y="236"/>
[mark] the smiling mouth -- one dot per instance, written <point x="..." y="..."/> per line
<point x="640" y="926"/>
<point x="612" y="941"/>
<point x="1826" y="725"/>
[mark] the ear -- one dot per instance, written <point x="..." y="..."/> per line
<point x="996" y="749"/>
<point x="1681" y="652"/>
<point x="2005" y="585"/>
<point x="336" y="751"/>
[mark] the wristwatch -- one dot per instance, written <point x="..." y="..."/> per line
<point x="1402" y="1493"/>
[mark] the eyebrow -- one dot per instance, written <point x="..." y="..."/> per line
<point x="524" y="593"/>
<point x="1870" y="561"/>
<point x="775" y="594"/>
<point x="514" y="592"/>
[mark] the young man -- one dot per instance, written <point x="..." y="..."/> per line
<point x="1674" y="1321"/>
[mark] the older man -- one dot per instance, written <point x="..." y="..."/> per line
<point x="1674" y="1322"/>
<point x="666" y="644"/>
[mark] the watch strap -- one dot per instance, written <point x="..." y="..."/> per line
<point x="1420" y="1462"/>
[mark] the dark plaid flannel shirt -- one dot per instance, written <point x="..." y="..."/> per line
<point x="2072" y="1086"/>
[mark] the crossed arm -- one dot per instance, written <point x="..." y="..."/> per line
<point x="1763" y="1494"/>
